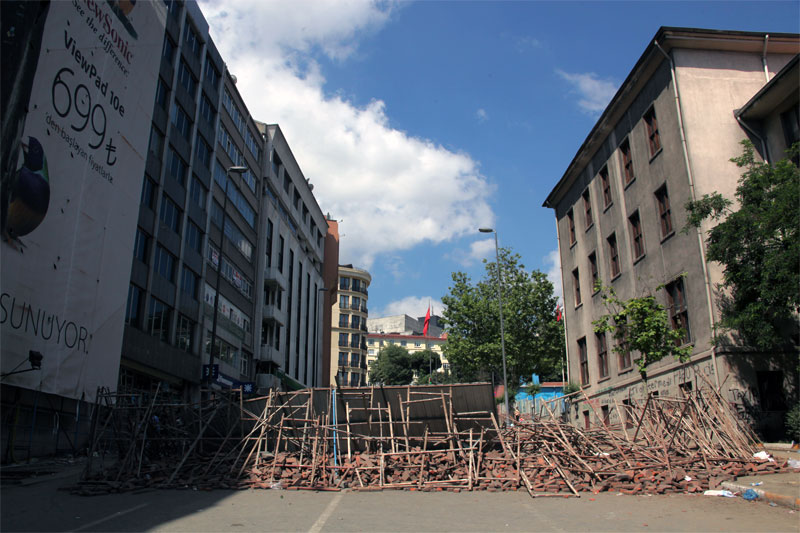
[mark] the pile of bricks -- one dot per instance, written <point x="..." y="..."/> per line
<point x="667" y="445"/>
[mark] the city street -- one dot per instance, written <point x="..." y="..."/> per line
<point x="41" y="506"/>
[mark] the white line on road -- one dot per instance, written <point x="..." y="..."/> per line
<point x="110" y="517"/>
<point x="317" y="527"/>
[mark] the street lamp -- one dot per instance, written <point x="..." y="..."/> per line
<point x="500" y="300"/>
<point x="231" y="170"/>
<point x="316" y="337"/>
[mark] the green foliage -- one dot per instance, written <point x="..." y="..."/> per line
<point x="758" y="246"/>
<point x="793" y="423"/>
<point x="394" y="366"/>
<point x="571" y="387"/>
<point x="533" y="389"/>
<point x="641" y="325"/>
<point x="534" y="341"/>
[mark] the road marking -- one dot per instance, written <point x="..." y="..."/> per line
<point x="110" y="517"/>
<point x="317" y="527"/>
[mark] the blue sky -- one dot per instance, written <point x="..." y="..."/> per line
<point x="419" y="122"/>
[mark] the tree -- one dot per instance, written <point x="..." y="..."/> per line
<point x="758" y="246"/>
<point x="534" y="340"/>
<point x="427" y="362"/>
<point x="395" y="366"/>
<point x="641" y="325"/>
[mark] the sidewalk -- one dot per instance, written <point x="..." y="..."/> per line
<point x="779" y="489"/>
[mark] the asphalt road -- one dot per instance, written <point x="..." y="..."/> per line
<point x="42" y="507"/>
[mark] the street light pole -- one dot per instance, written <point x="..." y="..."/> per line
<point x="231" y="170"/>
<point x="500" y="300"/>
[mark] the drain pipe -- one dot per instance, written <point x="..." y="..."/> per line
<point x="687" y="164"/>
<point x="764" y="58"/>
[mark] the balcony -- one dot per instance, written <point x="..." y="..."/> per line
<point x="275" y="278"/>
<point x="268" y="353"/>
<point x="273" y="314"/>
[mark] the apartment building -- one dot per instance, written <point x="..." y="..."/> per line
<point x="408" y="332"/>
<point x="349" y="328"/>
<point x="667" y="137"/>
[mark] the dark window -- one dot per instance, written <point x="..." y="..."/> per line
<point x="177" y="167"/>
<point x="280" y="254"/>
<point x="584" y="360"/>
<point x="342" y="339"/>
<point x="342" y="358"/>
<point x="677" y="308"/>
<point x="170" y="214"/>
<point x="148" y="192"/>
<point x="203" y="151"/>
<point x="624" y="359"/>
<point x="602" y="354"/>
<point x="605" y="183"/>
<point x="613" y="255"/>
<point x="194" y="237"/>
<point x="344" y="320"/>
<point x="586" y="423"/>
<point x="627" y="161"/>
<point x="156" y="143"/>
<point x="270" y="229"/>
<point x="571" y="221"/>
<point x="594" y="271"/>
<point x="181" y="121"/>
<point x="189" y="283"/>
<point x="185" y="335"/>
<point x="576" y="283"/>
<point x="626" y="413"/>
<point x="637" y="237"/>
<point x="162" y="94"/>
<point x="652" y="131"/>
<point x="604" y="411"/>
<point x="211" y="72"/>
<point x="164" y="263"/>
<point x="158" y="319"/>
<point x="587" y="208"/>
<point x="133" y="308"/>
<point x="141" y="245"/>
<point x="664" y="212"/>
<point x="168" y="51"/>
<point x="771" y="392"/>
<point x="207" y="110"/>
<point x="197" y="192"/>
<point x="187" y="79"/>
<point x="192" y="41"/>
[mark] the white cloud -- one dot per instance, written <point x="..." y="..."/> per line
<point x="414" y="306"/>
<point x="482" y="115"/>
<point x="393" y="190"/>
<point x="482" y="249"/>
<point x="553" y="263"/>
<point x="594" y="93"/>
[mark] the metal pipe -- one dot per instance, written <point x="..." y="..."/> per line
<point x="764" y="58"/>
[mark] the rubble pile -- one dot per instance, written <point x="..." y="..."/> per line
<point x="421" y="440"/>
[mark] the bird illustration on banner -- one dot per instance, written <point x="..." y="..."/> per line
<point x="25" y="194"/>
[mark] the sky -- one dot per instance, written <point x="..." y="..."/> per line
<point x="420" y="122"/>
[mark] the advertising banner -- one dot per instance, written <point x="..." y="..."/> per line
<point x="78" y="88"/>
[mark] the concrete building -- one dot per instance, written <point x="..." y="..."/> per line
<point x="406" y="331"/>
<point x="667" y="137"/>
<point x="349" y="328"/>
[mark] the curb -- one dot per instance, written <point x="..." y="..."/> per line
<point x="765" y="495"/>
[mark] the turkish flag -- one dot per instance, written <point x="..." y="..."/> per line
<point x="427" y="322"/>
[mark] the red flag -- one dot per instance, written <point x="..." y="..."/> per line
<point x="558" y="313"/>
<point x="427" y="322"/>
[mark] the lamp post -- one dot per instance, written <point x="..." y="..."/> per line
<point x="231" y="170"/>
<point x="316" y="337"/>
<point x="500" y="300"/>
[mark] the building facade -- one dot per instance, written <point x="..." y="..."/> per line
<point x="349" y="328"/>
<point x="667" y="137"/>
<point x="407" y="332"/>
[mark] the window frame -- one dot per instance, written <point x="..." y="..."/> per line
<point x="664" y="211"/>
<point x="614" y="260"/>
<point x="653" y="136"/>
<point x="626" y="161"/>
<point x="637" y="236"/>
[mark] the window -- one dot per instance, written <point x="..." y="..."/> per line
<point x="344" y="283"/>
<point x="571" y="222"/>
<point x="626" y="410"/>
<point x="356" y="322"/>
<point x="170" y="215"/>
<point x="637" y="237"/>
<point x="162" y="94"/>
<point x="192" y="41"/>
<point x="676" y="307"/>
<point x="604" y="411"/>
<point x="177" y="167"/>
<point x="344" y="301"/>
<point x="584" y="361"/>
<point x="203" y="152"/>
<point x="594" y="272"/>
<point x="651" y="123"/>
<point x="613" y="255"/>
<point x="627" y="161"/>
<point x="185" y="335"/>
<point x="403" y="343"/>
<point x="576" y="282"/>
<point x="270" y="229"/>
<point x="602" y="354"/>
<point x="189" y="283"/>
<point x="158" y="319"/>
<point x="197" y="192"/>
<point x="605" y="184"/>
<point x="164" y="264"/>
<point x="664" y="212"/>
<point x="211" y="72"/>
<point x="148" y="192"/>
<point x="342" y="358"/>
<point x="344" y="320"/>
<point x="194" y="237"/>
<point x="168" y="51"/>
<point x="140" y="245"/>
<point x="624" y="359"/>
<point x="181" y="121"/>
<point x="207" y="110"/>
<point x="156" y="146"/>
<point x="586" y="423"/>
<point x="342" y="339"/>
<point x="133" y="308"/>
<point x="587" y="208"/>
<point x="187" y="79"/>
<point x="280" y="255"/>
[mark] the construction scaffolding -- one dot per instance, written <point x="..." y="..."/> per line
<point x="438" y="437"/>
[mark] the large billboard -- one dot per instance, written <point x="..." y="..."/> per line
<point x="78" y="88"/>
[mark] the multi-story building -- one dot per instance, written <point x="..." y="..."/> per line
<point x="667" y="137"/>
<point x="407" y="332"/>
<point x="349" y="328"/>
<point x="222" y="194"/>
